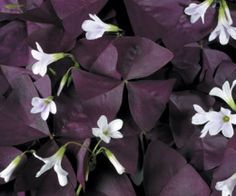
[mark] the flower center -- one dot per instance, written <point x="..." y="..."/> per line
<point x="106" y="132"/>
<point x="226" y="119"/>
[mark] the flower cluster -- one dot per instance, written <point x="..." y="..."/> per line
<point x="104" y="132"/>
<point x="224" y="29"/>
<point x="219" y="121"/>
<point x="214" y="121"/>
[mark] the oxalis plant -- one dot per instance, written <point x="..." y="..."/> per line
<point x="128" y="97"/>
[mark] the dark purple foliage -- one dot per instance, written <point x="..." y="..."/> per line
<point x="149" y="75"/>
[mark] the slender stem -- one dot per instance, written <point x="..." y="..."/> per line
<point x="99" y="150"/>
<point x="27" y="151"/>
<point x="52" y="71"/>
<point x="95" y="148"/>
<point x="78" y="190"/>
<point x="78" y="144"/>
<point x="76" y="64"/>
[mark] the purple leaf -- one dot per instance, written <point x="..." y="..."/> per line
<point x="149" y="14"/>
<point x="52" y="39"/>
<point x="186" y="62"/>
<point x="72" y="13"/>
<point x="82" y="161"/>
<point x="147" y="100"/>
<point x="16" y="118"/>
<point x="166" y="173"/>
<point x="13" y="47"/>
<point x="140" y="57"/>
<point x="87" y="52"/>
<point x="110" y="183"/>
<point x="102" y="97"/>
<point x="203" y="153"/>
<point x="43" y="86"/>
<point x="226" y="169"/>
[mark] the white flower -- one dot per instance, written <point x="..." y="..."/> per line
<point x="43" y="106"/>
<point x="107" y="131"/>
<point x="197" y="11"/>
<point x="225" y="93"/>
<point x="223" y="30"/>
<point x="119" y="168"/>
<point x="226" y="186"/>
<point x="215" y="121"/>
<point x="43" y="60"/>
<point x="95" y="28"/>
<point x="9" y="170"/>
<point x="55" y="162"/>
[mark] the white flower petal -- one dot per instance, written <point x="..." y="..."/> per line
<point x="227" y="130"/>
<point x="119" y="168"/>
<point x="36" y="67"/>
<point x="91" y="35"/>
<point x="115" y="125"/>
<point x="61" y="174"/>
<point x="116" y="134"/>
<point x="226" y="88"/>
<point x="199" y="119"/>
<point x="217" y="92"/>
<point x="36" y="101"/>
<point x="43" y="70"/>
<point x="44" y="168"/>
<point x="39" y="48"/>
<point x="105" y="138"/>
<point x="45" y="113"/>
<point x="96" y="132"/>
<point x="198" y="108"/>
<point x="102" y="122"/>
<point x="233" y="119"/>
<point x="36" y="55"/>
<point x="6" y="174"/>
<point x="224" y="37"/>
<point x="232" y="32"/>
<point x="53" y="107"/>
<point x="226" y="186"/>
<point x="190" y="9"/>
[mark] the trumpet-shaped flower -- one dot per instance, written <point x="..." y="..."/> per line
<point x="223" y="30"/>
<point x="43" y="106"/>
<point x="55" y="162"/>
<point x="119" y="168"/>
<point x="225" y="93"/>
<point x="196" y="11"/>
<point x="214" y="121"/>
<point x="107" y="131"/>
<point x="43" y="60"/>
<point x="95" y="28"/>
<point x="226" y="186"/>
<point x="7" y="173"/>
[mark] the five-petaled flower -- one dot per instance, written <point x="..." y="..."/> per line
<point x="119" y="168"/>
<point x="55" y="162"/>
<point x="43" y="106"/>
<point x="43" y="60"/>
<point x="107" y="131"/>
<point x="224" y="28"/>
<point x="225" y="93"/>
<point x="226" y="186"/>
<point x="196" y="11"/>
<point x="95" y="28"/>
<point x="215" y="121"/>
<point x="7" y="173"/>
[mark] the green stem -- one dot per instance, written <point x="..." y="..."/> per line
<point x="78" y="144"/>
<point x="78" y="190"/>
<point x="76" y="64"/>
<point x="95" y="148"/>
